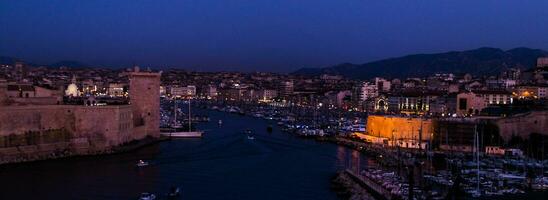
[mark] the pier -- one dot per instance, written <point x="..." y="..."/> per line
<point x="375" y="189"/>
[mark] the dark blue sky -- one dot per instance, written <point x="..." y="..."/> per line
<point x="261" y="35"/>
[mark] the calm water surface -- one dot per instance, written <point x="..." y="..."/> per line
<point x="223" y="164"/>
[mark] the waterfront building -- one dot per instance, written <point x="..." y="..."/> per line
<point x="286" y="89"/>
<point x="473" y="102"/>
<point x="414" y="102"/>
<point x="336" y="98"/>
<point x="495" y="97"/>
<point x="116" y="90"/>
<point x="266" y="95"/>
<point x="407" y="132"/>
<point x="368" y="91"/>
<point x="530" y="92"/>
<point x="382" y="84"/>
<point x="211" y="92"/>
<point x="469" y="103"/>
<point x="542" y="62"/>
<point x="183" y="92"/>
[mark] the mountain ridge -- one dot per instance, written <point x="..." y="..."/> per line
<point x="480" y="61"/>
<point x="7" y="60"/>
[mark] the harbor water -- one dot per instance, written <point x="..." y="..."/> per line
<point x="224" y="164"/>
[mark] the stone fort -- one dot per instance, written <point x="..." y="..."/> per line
<point x="37" y="131"/>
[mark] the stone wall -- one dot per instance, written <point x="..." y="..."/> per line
<point x="399" y="127"/>
<point x="523" y="125"/>
<point x="3" y="93"/>
<point x="145" y="101"/>
<point x="46" y="129"/>
<point x="33" y="132"/>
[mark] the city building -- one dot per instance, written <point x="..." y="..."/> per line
<point x="116" y="90"/>
<point x="183" y="92"/>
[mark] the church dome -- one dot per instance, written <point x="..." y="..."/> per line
<point x="72" y="90"/>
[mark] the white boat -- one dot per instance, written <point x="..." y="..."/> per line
<point x="142" y="163"/>
<point x="183" y="134"/>
<point x="176" y="126"/>
<point x="249" y="137"/>
<point x="220" y="122"/>
<point x="147" y="196"/>
<point x="174" y="192"/>
<point x="233" y="109"/>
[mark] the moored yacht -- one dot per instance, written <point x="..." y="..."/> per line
<point x="147" y="196"/>
<point x="177" y="132"/>
<point x="142" y="163"/>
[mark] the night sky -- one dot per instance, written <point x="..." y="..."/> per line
<point x="260" y="35"/>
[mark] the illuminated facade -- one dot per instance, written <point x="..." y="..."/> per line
<point x="399" y="128"/>
<point x="413" y="102"/>
<point x="530" y="92"/>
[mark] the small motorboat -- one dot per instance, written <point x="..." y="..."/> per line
<point x="250" y="137"/>
<point x="174" y="192"/>
<point x="220" y="122"/>
<point x="147" y="196"/>
<point x="142" y="163"/>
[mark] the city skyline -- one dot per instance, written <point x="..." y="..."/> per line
<point x="260" y="36"/>
<point x="273" y="99"/>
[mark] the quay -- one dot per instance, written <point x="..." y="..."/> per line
<point x="375" y="189"/>
<point x="24" y="155"/>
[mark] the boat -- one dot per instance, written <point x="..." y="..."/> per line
<point x="184" y="134"/>
<point x="175" y="133"/>
<point x="269" y="128"/>
<point x="220" y="122"/>
<point x="233" y="110"/>
<point x="147" y="196"/>
<point x="250" y="137"/>
<point x="142" y="163"/>
<point x="174" y="192"/>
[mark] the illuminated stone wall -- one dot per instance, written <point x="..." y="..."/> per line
<point x="395" y="127"/>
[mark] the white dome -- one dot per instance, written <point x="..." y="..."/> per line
<point x="72" y="90"/>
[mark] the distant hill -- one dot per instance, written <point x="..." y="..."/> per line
<point x="6" y="60"/>
<point x="482" y="61"/>
<point x="68" y="63"/>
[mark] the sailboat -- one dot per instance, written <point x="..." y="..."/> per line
<point x="176" y="127"/>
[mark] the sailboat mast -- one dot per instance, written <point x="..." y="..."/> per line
<point x="476" y="144"/>
<point x="189" y="117"/>
<point x="174" y="112"/>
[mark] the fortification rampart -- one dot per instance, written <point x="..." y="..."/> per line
<point x="31" y="131"/>
<point x="396" y="127"/>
